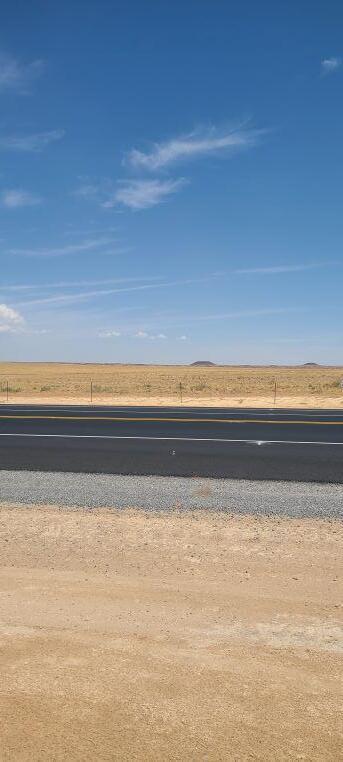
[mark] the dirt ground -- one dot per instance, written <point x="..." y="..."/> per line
<point x="227" y="386"/>
<point x="145" y="636"/>
<point x="302" y="401"/>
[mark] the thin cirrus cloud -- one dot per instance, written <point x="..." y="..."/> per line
<point x="11" y="320"/>
<point x="76" y="283"/>
<point x="150" y="336"/>
<point x="195" y="145"/>
<point x="16" y="199"/>
<point x="114" y="333"/>
<point x="143" y="194"/>
<point x="279" y="269"/>
<point x="18" y="76"/>
<point x="33" y="143"/>
<point x="102" y="191"/>
<point x="109" y="334"/>
<point x="59" y="251"/>
<point x="137" y="194"/>
<point x="184" y="319"/>
<point x="285" y="340"/>
<point x="329" y="65"/>
<point x="87" y="295"/>
<point x="88" y="190"/>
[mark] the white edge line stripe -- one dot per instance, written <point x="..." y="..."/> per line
<point x="172" y="439"/>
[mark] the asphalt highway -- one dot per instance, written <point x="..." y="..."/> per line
<point x="295" y="445"/>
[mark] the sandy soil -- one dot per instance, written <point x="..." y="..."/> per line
<point x="302" y="401"/>
<point x="133" y="636"/>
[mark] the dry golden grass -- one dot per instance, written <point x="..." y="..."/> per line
<point x="147" y="384"/>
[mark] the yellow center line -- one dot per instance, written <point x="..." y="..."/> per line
<point x="167" y="420"/>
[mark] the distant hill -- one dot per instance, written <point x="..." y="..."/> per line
<point x="311" y="365"/>
<point x="206" y="363"/>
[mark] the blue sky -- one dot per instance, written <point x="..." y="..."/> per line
<point x="170" y="181"/>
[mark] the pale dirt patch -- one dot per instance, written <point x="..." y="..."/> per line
<point x="303" y="402"/>
<point x="146" y="636"/>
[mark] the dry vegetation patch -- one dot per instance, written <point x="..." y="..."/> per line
<point x="144" y="384"/>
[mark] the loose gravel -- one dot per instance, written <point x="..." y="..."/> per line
<point x="166" y="493"/>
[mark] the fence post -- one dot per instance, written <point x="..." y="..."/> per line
<point x="7" y="390"/>
<point x="275" y="388"/>
<point x="91" y="391"/>
<point x="180" y="392"/>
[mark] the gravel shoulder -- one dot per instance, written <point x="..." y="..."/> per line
<point x="135" y="635"/>
<point x="164" y="493"/>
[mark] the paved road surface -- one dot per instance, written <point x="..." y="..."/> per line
<point x="294" y="445"/>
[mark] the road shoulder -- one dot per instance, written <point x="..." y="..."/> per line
<point x="169" y="635"/>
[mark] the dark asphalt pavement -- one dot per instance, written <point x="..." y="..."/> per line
<point x="297" y="445"/>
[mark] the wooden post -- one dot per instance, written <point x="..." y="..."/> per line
<point x="180" y="392"/>
<point x="7" y="390"/>
<point x="91" y="391"/>
<point x="275" y="388"/>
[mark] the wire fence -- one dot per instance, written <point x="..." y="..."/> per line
<point x="223" y="385"/>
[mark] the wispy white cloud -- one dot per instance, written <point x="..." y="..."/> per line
<point x="330" y="65"/>
<point x="11" y="320"/>
<point x="278" y="269"/>
<point x="15" y="199"/>
<point x="59" y="251"/>
<point x="87" y="190"/>
<point x="18" y="76"/>
<point x="90" y="232"/>
<point x="240" y="314"/>
<point x="194" y="145"/>
<point x="86" y="295"/>
<point x="110" y="334"/>
<point x="76" y="283"/>
<point x="38" y="331"/>
<point x="283" y="340"/>
<point x="182" y="338"/>
<point x="33" y="143"/>
<point x="135" y="194"/>
<point x="102" y="191"/>
<point x="115" y="333"/>
<point x="143" y="194"/>
<point x="150" y="336"/>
